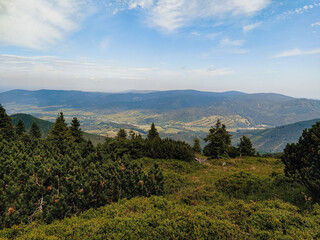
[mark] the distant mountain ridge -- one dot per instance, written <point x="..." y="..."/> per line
<point x="258" y="109"/>
<point x="274" y="140"/>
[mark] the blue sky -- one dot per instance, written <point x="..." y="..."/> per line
<point x="210" y="45"/>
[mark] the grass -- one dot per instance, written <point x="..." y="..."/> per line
<point x="243" y="198"/>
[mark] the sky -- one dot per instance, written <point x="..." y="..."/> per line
<point x="119" y="45"/>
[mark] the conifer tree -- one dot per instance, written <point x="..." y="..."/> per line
<point x="76" y="130"/>
<point x="60" y="133"/>
<point x="122" y="134"/>
<point x="153" y="133"/>
<point x="35" y="130"/>
<point x="219" y="141"/>
<point x="196" y="145"/>
<point x="20" y="128"/>
<point x="302" y="160"/>
<point x="132" y="134"/>
<point x="245" y="147"/>
<point x="6" y="126"/>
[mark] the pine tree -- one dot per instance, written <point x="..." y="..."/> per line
<point x="302" y="160"/>
<point x="35" y="130"/>
<point x="245" y="147"/>
<point x="6" y="126"/>
<point x="122" y="134"/>
<point x="219" y="141"/>
<point x="59" y="132"/>
<point x="132" y="134"/>
<point x="76" y="130"/>
<point x="153" y="133"/>
<point x="20" y="128"/>
<point x="196" y="145"/>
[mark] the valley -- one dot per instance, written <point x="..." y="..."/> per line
<point x="180" y="115"/>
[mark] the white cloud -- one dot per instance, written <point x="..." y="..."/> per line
<point x="213" y="36"/>
<point x="55" y="73"/>
<point x="315" y="24"/>
<point x="132" y="4"/>
<point x="173" y="14"/>
<point x="296" y="52"/>
<point x="228" y="42"/>
<point x="195" y="34"/>
<point x="250" y="27"/>
<point x="170" y="15"/>
<point x="37" y="23"/>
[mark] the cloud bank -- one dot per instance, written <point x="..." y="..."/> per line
<point x="55" y="73"/>
<point x="37" y="23"/>
<point x="170" y="15"/>
<point x="296" y="52"/>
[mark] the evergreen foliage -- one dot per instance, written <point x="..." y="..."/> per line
<point x="245" y="147"/>
<point x="35" y="131"/>
<point x="153" y="133"/>
<point x="20" y="128"/>
<point x="219" y="141"/>
<point x="122" y="134"/>
<point x="196" y="145"/>
<point x="76" y="130"/>
<point x="60" y="134"/>
<point x="302" y="159"/>
<point x="63" y="175"/>
<point x="45" y="126"/>
<point x="205" y="202"/>
<point x="6" y="126"/>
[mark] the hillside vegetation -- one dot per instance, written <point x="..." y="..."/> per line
<point x="130" y="187"/>
<point x="274" y="140"/>
<point x="45" y="126"/>
<point x="247" y="198"/>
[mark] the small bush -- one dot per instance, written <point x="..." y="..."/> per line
<point x="240" y="184"/>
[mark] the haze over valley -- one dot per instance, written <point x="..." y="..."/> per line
<point x="181" y="115"/>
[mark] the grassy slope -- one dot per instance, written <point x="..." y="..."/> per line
<point x="262" y="205"/>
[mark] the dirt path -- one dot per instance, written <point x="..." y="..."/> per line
<point x="202" y="161"/>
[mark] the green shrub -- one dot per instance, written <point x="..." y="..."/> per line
<point x="240" y="184"/>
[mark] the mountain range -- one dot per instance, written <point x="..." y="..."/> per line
<point x="180" y="105"/>
<point x="270" y="140"/>
<point x="179" y="114"/>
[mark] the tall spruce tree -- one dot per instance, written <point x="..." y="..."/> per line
<point x="20" y="128"/>
<point x="6" y="126"/>
<point x="153" y="133"/>
<point x="245" y="147"/>
<point x="122" y="134"/>
<point x="196" y="145"/>
<point x="59" y="131"/>
<point x="76" y="130"/>
<point x="219" y="141"/>
<point x="35" y="130"/>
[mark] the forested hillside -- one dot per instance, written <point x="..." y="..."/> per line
<point x="45" y="126"/>
<point x="27" y="120"/>
<point x="274" y="140"/>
